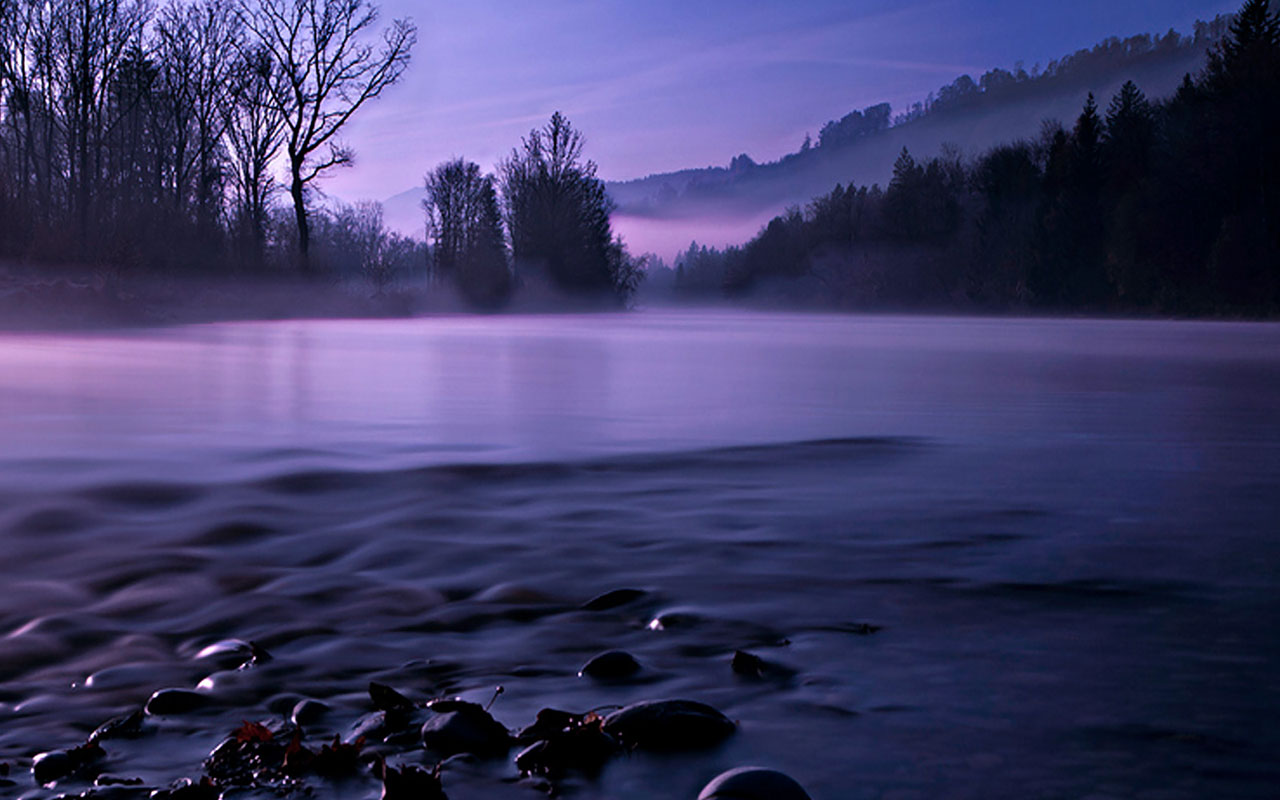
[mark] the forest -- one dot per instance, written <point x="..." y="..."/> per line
<point x="1143" y="206"/>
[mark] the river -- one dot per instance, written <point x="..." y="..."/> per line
<point x="987" y="557"/>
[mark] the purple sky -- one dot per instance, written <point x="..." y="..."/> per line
<point x="659" y="85"/>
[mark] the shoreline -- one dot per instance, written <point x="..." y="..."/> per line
<point x="95" y="300"/>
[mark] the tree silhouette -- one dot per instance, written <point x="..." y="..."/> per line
<point x="466" y="225"/>
<point x="557" y="213"/>
<point x="329" y="72"/>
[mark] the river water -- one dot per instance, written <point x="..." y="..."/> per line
<point x="1065" y="531"/>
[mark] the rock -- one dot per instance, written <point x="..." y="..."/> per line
<point x="253" y="753"/>
<point x="116" y="780"/>
<point x="184" y="789"/>
<point x="582" y="745"/>
<point x="410" y="782"/>
<point x="614" y="599"/>
<point x="234" y="654"/>
<point x="169" y="702"/>
<point x="128" y="726"/>
<point x="461" y="727"/>
<point x="51" y="766"/>
<point x="613" y="665"/>
<point x="307" y="712"/>
<point x="57" y="764"/>
<point x="549" y="722"/>
<point x="674" y="618"/>
<point x="750" y="665"/>
<point x="668" y="725"/>
<point x="753" y="783"/>
<point x="387" y="699"/>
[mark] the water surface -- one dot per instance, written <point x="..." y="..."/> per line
<point x="1067" y="529"/>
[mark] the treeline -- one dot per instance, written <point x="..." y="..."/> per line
<point x="547" y="202"/>
<point x="1170" y="207"/>
<point x="1085" y="66"/>
<point x="148" y="139"/>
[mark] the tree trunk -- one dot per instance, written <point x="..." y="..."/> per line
<point x="300" y="214"/>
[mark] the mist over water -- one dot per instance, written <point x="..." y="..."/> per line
<point x="1065" y="528"/>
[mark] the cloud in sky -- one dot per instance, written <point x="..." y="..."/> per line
<point x="660" y="85"/>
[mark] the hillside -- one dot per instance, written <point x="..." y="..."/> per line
<point x="727" y="205"/>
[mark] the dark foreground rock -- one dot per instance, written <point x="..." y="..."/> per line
<point x="753" y="783"/>
<point x="669" y="725"/>
<point x="614" y="665"/>
<point x="457" y="726"/>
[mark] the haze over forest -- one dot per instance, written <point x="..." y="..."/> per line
<point x="206" y="139"/>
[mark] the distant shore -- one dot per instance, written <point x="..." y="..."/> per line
<point x="87" y="299"/>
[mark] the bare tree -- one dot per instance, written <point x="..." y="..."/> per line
<point x="255" y="132"/>
<point x="330" y="70"/>
<point x="91" y="39"/>
<point x="196" y="50"/>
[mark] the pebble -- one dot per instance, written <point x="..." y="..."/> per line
<point x="753" y="783"/>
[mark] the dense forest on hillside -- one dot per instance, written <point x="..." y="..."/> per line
<point x="970" y="113"/>
<point x="1170" y="207"/>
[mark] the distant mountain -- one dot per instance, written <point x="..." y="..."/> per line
<point x="403" y="212"/>
<point x="728" y="204"/>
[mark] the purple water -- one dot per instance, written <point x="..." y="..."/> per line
<point x="1067" y="529"/>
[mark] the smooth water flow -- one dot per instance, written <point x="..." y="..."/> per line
<point x="1067" y="530"/>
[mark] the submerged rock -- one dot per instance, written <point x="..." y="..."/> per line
<point x="461" y="727"/>
<point x="753" y="783"/>
<point x="611" y="666"/>
<point x="667" y="725"/>
<point x="750" y="665"/>
<point x="613" y="599"/>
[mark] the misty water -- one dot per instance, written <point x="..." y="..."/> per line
<point x="1065" y="530"/>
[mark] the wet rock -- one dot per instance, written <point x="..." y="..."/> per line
<point x="111" y="793"/>
<point x="334" y="760"/>
<point x="614" y="665"/>
<point x="171" y="702"/>
<point x="461" y="727"/>
<point x="674" y="619"/>
<point x="753" y="783"/>
<point x="254" y="753"/>
<point x="58" y="764"/>
<point x="410" y="782"/>
<point x="750" y="665"/>
<point x="116" y="780"/>
<point x="308" y="712"/>
<point x="613" y="599"/>
<point x="668" y="725"/>
<point x="127" y="726"/>
<point x="549" y="722"/>
<point x="234" y="654"/>
<point x="581" y="745"/>
<point x="185" y="789"/>
<point x="387" y="699"/>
